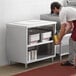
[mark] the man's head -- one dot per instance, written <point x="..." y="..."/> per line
<point x="55" y="8"/>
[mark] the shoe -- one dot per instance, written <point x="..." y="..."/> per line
<point x="67" y="63"/>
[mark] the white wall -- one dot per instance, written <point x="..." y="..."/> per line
<point x="16" y="10"/>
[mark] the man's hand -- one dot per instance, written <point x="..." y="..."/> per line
<point x="58" y="41"/>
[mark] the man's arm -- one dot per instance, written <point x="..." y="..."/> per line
<point x="62" y="32"/>
<point x="64" y="29"/>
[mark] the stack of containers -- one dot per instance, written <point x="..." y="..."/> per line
<point x="33" y="38"/>
<point x="32" y="53"/>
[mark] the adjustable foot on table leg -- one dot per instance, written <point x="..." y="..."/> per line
<point x="52" y="59"/>
<point x="26" y="66"/>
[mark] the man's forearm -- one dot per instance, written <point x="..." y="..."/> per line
<point x="64" y="29"/>
<point x="61" y="33"/>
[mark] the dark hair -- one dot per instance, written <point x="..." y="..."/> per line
<point x="53" y="5"/>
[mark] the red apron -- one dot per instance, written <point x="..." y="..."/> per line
<point x="73" y="36"/>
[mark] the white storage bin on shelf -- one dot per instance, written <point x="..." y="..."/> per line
<point x="33" y="38"/>
<point x="64" y="45"/>
<point x="46" y="36"/>
<point x="19" y="41"/>
<point x="64" y="50"/>
<point x="33" y="35"/>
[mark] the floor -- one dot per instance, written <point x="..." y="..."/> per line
<point x="18" y="68"/>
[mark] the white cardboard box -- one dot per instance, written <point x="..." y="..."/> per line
<point x="46" y="35"/>
<point x="34" y="38"/>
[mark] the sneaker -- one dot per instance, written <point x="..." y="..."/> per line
<point x="67" y="63"/>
